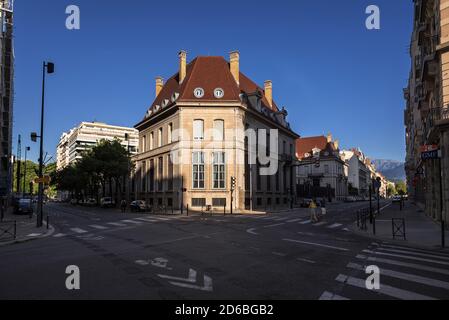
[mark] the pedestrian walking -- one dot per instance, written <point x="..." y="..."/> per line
<point x="313" y="208"/>
<point x="123" y="205"/>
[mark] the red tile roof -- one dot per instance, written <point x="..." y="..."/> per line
<point x="209" y="73"/>
<point x="307" y="144"/>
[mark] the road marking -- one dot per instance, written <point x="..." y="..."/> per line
<point x="331" y="296"/>
<point x="78" y="230"/>
<point x="146" y="219"/>
<point x="414" y="253"/>
<point x="305" y="222"/>
<point x="98" y="227"/>
<point x="404" y="264"/>
<point x="415" y="250"/>
<point x="191" y="278"/>
<point x="306" y="260"/>
<point x="316" y="244"/>
<point x="345" y="229"/>
<point x="405" y="257"/>
<point x="294" y="220"/>
<point x="252" y="231"/>
<point x="160" y="218"/>
<point x="319" y="224"/>
<point x="335" y="225"/>
<point x="59" y="235"/>
<point x="281" y="219"/>
<point x="384" y="289"/>
<point x="279" y="254"/>
<point x="116" y="224"/>
<point x="34" y="235"/>
<point x="206" y="287"/>
<point x="274" y="225"/>
<point x="405" y="276"/>
<point x="131" y="221"/>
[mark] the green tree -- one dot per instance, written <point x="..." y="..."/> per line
<point x="401" y="187"/>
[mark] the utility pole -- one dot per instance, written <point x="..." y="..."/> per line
<point x="25" y="171"/>
<point x="46" y="68"/>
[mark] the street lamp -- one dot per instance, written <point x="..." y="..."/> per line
<point x="47" y="67"/>
<point x="25" y="170"/>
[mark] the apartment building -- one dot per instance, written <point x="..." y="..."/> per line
<point x="426" y="115"/>
<point x="206" y="125"/>
<point x="7" y="94"/>
<point x="73" y="143"/>
<point x="358" y="173"/>
<point x="321" y="171"/>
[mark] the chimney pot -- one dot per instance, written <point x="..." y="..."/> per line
<point x="269" y="92"/>
<point x="159" y="85"/>
<point x="234" y="59"/>
<point x="182" y="65"/>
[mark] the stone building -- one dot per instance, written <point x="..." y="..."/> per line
<point x="206" y="124"/>
<point x="426" y="115"/>
<point x="321" y="172"/>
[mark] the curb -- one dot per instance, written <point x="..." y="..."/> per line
<point x="353" y="229"/>
<point x="49" y="232"/>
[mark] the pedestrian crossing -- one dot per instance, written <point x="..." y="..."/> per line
<point x="126" y="223"/>
<point x="305" y="222"/>
<point x="405" y="273"/>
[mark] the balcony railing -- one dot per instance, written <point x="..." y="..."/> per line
<point x="434" y="115"/>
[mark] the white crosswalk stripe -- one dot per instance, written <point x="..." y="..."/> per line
<point x="146" y="219"/>
<point x="59" y="235"/>
<point x="335" y="225"/>
<point x="294" y="220"/>
<point x="405" y="273"/>
<point x="78" y="230"/>
<point x="331" y="296"/>
<point x="384" y="289"/>
<point x="95" y="226"/>
<point x="405" y="257"/>
<point x="131" y="221"/>
<point x="306" y="222"/>
<point x="406" y="276"/>
<point x="319" y="224"/>
<point x="116" y="224"/>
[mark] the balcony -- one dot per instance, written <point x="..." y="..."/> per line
<point x="436" y="117"/>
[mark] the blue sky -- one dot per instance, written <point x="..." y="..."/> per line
<point x="331" y="73"/>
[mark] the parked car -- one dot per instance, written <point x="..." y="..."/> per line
<point x="139" y="206"/>
<point x="107" y="202"/>
<point x="90" y="202"/>
<point x="396" y="199"/>
<point x="24" y="206"/>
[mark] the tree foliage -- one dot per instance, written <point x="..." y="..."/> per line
<point x="105" y="164"/>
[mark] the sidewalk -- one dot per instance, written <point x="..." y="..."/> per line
<point x="420" y="230"/>
<point x="25" y="228"/>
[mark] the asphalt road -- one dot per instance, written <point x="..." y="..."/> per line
<point x="278" y="256"/>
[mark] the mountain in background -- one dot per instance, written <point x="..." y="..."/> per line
<point x="391" y="169"/>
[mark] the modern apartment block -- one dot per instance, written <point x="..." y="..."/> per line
<point x="7" y="94"/>
<point x="321" y="172"/>
<point x="426" y="115"/>
<point x="204" y="127"/>
<point x="73" y="143"/>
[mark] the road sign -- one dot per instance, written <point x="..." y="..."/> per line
<point x="45" y="180"/>
<point x="429" y="155"/>
<point x="429" y="148"/>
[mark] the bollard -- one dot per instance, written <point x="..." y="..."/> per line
<point x="187" y="211"/>
<point x="224" y="210"/>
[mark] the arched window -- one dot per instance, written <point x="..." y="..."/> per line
<point x="198" y="129"/>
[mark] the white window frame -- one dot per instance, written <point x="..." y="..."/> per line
<point x="221" y="163"/>
<point x="198" y="166"/>
<point x="200" y="137"/>
<point x="219" y="134"/>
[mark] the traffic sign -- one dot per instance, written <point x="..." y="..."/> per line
<point x="429" y="148"/>
<point x="45" y="180"/>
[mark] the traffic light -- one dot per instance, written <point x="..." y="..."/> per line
<point x="34" y="136"/>
<point x="232" y="183"/>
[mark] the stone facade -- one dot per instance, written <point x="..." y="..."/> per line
<point x="196" y="136"/>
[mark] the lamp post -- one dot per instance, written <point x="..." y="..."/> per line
<point x="25" y="170"/>
<point x="47" y="67"/>
<point x="128" y="174"/>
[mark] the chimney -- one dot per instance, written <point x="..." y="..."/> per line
<point x="329" y="138"/>
<point x="182" y="65"/>
<point x="269" y="92"/>
<point x="159" y="85"/>
<point x="234" y="59"/>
